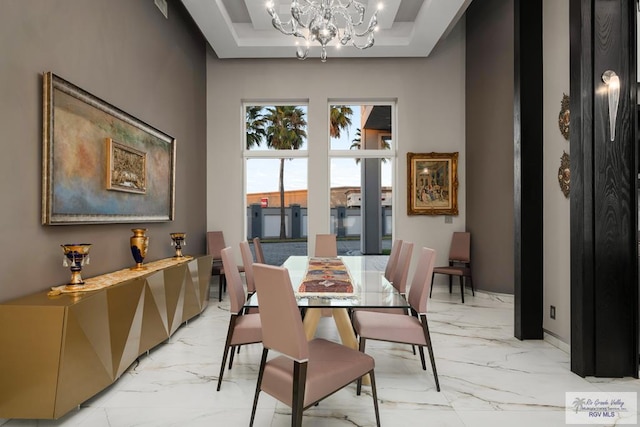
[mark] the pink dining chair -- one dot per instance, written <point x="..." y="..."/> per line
<point x="305" y="372"/>
<point x="399" y="281"/>
<point x="326" y="245"/>
<point x="401" y="271"/>
<point x="459" y="262"/>
<point x="243" y="328"/>
<point x="404" y="328"/>
<point x="247" y="262"/>
<point x="392" y="263"/>
<point x="215" y="243"/>
<point x="257" y="248"/>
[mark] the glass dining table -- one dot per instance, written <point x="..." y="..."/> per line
<point x="370" y="290"/>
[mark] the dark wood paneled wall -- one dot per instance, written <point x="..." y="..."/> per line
<point x="528" y="129"/>
<point x="604" y="258"/>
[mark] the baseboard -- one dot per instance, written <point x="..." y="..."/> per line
<point x="557" y="342"/>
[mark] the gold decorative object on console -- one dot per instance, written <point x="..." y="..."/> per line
<point x="75" y="255"/>
<point x="564" y="174"/>
<point x="139" y="243"/>
<point x="178" y="240"/>
<point x="564" y="118"/>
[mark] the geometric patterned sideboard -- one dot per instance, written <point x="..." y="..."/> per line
<point x="57" y="352"/>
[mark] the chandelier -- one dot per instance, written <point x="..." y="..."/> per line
<point x="322" y="21"/>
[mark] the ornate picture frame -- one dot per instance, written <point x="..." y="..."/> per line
<point x="130" y="178"/>
<point x="126" y="168"/>
<point x="432" y="183"/>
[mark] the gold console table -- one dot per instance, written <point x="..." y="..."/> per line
<point x="60" y="350"/>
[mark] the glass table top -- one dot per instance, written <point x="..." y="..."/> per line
<point x="370" y="288"/>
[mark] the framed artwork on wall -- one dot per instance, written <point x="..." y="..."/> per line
<point x="99" y="163"/>
<point x="432" y="183"/>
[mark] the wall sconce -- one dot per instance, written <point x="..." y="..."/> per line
<point x="611" y="79"/>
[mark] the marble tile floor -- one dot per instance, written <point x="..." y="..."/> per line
<point x="487" y="377"/>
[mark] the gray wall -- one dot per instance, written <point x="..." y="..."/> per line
<point x="489" y="142"/>
<point x="430" y="98"/>
<point x="557" y="239"/>
<point x="128" y="54"/>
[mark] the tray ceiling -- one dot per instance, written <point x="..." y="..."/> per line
<point x="242" y="28"/>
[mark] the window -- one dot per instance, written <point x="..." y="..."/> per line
<point x="275" y="155"/>
<point x="362" y="159"/>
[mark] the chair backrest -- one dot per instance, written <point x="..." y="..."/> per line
<point x="460" y="247"/>
<point x="392" y="263"/>
<point x="326" y="245"/>
<point x="235" y="289"/>
<point x="257" y="247"/>
<point x="247" y="262"/>
<point x="282" y="328"/>
<point x="215" y="243"/>
<point x="402" y="268"/>
<point x="421" y="282"/>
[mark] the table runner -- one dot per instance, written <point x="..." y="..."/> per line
<point x="110" y="279"/>
<point x="326" y="276"/>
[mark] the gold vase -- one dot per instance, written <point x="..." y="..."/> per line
<point x="178" y="240"/>
<point x="75" y="256"/>
<point x="139" y="243"/>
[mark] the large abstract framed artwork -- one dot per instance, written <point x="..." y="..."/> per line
<point x="432" y="184"/>
<point x="100" y="164"/>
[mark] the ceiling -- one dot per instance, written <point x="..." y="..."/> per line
<point x="242" y="28"/>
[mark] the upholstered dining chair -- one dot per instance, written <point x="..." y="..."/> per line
<point x="403" y="328"/>
<point x="401" y="271"/>
<point x="459" y="262"/>
<point x="393" y="260"/>
<point x="247" y="263"/>
<point x="243" y="328"/>
<point x="326" y="245"/>
<point x="215" y="243"/>
<point x="399" y="279"/>
<point x="304" y="372"/>
<point x="257" y="248"/>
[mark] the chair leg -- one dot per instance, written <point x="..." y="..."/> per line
<point x="427" y="338"/>
<point x="227" y="344"/>
<point x="471" y="284"/>
<point x="297" y="402"/>
<point x="431" y="290"/>
<point x="374" y="394"/>
<point x="233" y="351"/>
<point x="450" y="283"/>
<point x="462" y="288"/>
<point x="220" y="278"/>
<point x="263" y="361"/>
<point x="424" y="365"/>
<point x="361" y="346"/>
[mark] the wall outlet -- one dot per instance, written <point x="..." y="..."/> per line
<point x="552" y="311"/>
<point x="448" y="219"/>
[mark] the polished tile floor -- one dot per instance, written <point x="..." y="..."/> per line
<point x="488" y="378"/>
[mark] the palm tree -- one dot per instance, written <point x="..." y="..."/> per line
<point x="255" y="122"/>
<point x="285" y="130"/>
<point x="340" y="119"/>
<point x="356" y="144"/>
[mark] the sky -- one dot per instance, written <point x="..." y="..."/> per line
<point x="263" y="174"/>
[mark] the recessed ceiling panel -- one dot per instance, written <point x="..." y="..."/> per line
<point x="243" y="29"/>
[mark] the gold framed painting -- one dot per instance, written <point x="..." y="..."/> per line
<point x="432" y="183"/>
<point x="137" y="161"/>
<point x="126" y="168"/>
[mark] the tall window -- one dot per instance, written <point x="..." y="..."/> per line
<point x="362" y="159"/>
<point x="275" y="155"/>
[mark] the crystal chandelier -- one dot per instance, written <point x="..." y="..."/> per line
<point x="324" y="20"/>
